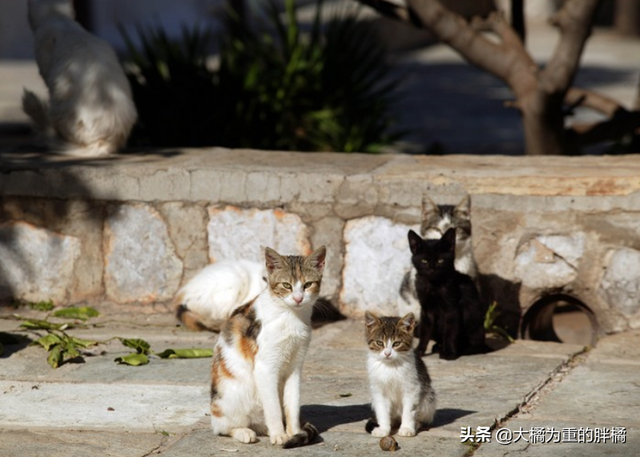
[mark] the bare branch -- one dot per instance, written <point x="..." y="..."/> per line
<point x="473" y="46"/>
<point x="620" y="124"/>
<point x="589" y="99"/>
<point x="574" y="20"/>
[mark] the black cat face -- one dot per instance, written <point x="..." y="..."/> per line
<point x="433" y="259"/>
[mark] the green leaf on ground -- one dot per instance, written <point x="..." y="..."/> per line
<point x="134" y="359"/>
<point x="140" y="346"/>
<point x="37" y="324"/>
<point x="55" y="357"/>
<point x="193" y="353"/>
<point x="48" y="341"/>
<point x="82" y="343"/>
<point x="74" y="312"/>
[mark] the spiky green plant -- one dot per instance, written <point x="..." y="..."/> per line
<point x="276" y="87"/>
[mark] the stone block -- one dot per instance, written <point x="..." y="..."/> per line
<point x="37" y="264"/>
<point x="620" y="284"/>
<point x="187" y="225"/>
<point x="377" y="257"/>
<point x="140" y="259"/>
<point x="236" y="233"/>
<point x="549" y="261"/>
<point x="328" y="232"/>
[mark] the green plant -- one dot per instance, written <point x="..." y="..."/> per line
<point x="64" y="347"/>
<point x="490" y="325"/>
<point x="275" y="88"/>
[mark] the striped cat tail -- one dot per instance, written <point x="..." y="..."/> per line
<point x="308" y="434"/>
<point x="193" y="321"/>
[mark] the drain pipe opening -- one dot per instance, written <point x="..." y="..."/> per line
<point x="560" y="318"/>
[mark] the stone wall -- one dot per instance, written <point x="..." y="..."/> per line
<point x="135" y="228"/>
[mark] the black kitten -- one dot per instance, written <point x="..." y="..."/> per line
<point x="451" y="311"/>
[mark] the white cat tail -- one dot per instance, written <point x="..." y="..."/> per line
<point x="37" y="110"/>
<point x="193" y="321"/>
<point x="210" y="297"/>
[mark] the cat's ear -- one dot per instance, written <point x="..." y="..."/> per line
<point x="316" y="258"/>
<point x="428" y="207"/>
<point x="273" y="260"/>
<point x="370" y="319"/>
<point x="449" y="239"/>
<point x="408" y="322"/>
<point x="414" y="242"/>
<point x="463" y="209"/>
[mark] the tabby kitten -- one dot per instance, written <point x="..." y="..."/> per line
<point x="257" y="365"/>
<point x="452" y="313"/>
<point x="436" y="220"/>
<point x="399" y="380"/>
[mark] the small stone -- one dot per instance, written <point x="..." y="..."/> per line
<point x="388" y="443"/>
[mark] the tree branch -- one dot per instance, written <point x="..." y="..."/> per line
<point x="589" y="99"/>
<point x="574" y="20"/>
<point x="621" y="123"/>
<point x="499" y="59"/>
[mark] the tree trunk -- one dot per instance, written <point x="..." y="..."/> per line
<point x="626" y="18"/>
<point x="543" y="124"/>
<point x="540" y="93"/>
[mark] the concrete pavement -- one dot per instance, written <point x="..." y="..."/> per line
<point x="101" y="408"/>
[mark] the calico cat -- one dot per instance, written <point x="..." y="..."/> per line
<point x="212" y="295"/>
<point x="436" y="220"/>
<point x="452" y="313"/>
<point x="257" y="364"/>
<point x="399" y="380"/>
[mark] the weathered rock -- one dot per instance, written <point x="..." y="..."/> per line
<point x="236" y="233"/>
<point x="37" y="264"/>
<point x="140" y="259"/>
<point x="620" y="283"/>
<point x="377" y="257"/>
<point x="549" y="261"/>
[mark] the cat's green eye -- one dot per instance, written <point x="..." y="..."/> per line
<point x="379" y="343"/>
<point x="440" y="261"/>
<point x="426" y="262"/>
<point x="397" y="344"/>
<point x="286" y="285"/>
<point x="308" y="284"/>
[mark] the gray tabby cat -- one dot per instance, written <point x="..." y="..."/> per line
<point x="400" y="384"/>
<point x="436" y="220"/>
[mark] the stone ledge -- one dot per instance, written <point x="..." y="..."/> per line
<point x="527" y="213"/>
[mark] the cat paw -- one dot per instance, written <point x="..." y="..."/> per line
<point x="406" y="431"/>
<point x="448" y="356"/>
<point x="279" y="438"/>
<point x="244" y="435"/>
<point x="379" y="432"/>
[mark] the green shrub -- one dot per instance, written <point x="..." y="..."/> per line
<point x="275" y="87"/>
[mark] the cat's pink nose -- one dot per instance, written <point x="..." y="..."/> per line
<point x="387" y="353"/>
<point x="297" y="298"/>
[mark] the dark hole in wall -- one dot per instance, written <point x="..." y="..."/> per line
<point x="561" y="318"/>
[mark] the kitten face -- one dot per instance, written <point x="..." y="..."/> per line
<point x="433" y="259"/>
<point x="437" y="219"/>
<point x="295" y="280"/>
<point x="389" y="338"/>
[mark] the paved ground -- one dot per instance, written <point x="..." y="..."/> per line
<point x="101" y="408"/>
